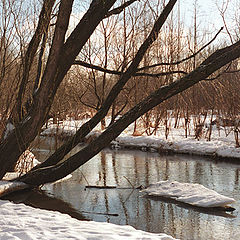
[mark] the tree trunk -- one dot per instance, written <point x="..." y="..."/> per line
<point x="209" y="66"/>
<point x="61" y="57"/>
<point x="42" y="27"/>
<point x="87" y="127"/>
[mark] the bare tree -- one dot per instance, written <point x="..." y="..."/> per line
<point x="62" y="55"/>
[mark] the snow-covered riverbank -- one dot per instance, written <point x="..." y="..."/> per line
<point x="21" y="222"/>
<point x="222" y="144"/>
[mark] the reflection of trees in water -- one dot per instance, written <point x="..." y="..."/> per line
<point x="116" y="177"/>
<point x="103" y="173"/>
<point x="237" y="177"/>
<point x="109" y="167"/>
<point x="40" y="200"/>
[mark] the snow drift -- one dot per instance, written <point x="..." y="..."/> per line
<point x="20" y="222"/>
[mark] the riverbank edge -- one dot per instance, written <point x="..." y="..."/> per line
<point x="161" y="146"/>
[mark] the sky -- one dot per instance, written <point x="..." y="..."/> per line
<point x="205" y="9"/>
<point x="209" y="11"/>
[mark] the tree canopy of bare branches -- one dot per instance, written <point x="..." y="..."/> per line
<point x="31" y="109"/>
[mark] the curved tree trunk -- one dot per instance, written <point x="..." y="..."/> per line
<point x="59" y="154"/>
<point x="61" y="57"/>
<point x="43" y="23"/>
<point x="209" y="66"/>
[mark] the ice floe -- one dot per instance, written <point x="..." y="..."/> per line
<point x="190" y="193"/>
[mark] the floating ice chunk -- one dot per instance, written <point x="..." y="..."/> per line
<point x="190" y="193"/>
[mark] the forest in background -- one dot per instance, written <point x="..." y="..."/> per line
<point x="123" y="53"/>
<point x="177" y="51"/>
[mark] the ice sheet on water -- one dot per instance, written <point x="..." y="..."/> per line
<point x="190" y="193"/>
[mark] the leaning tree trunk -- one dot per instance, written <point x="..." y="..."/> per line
<point x="61" y="57"/>
<point x="209" y="66"/>
<point x="59" y="154"/>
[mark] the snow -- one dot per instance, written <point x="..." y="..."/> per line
<point x="20" y="222"/>
<point x="23" y="222"/>
<point x="8" y="129"/>
<point x="179" y="144"/>
<point x="190" y="193"/>
<point x="222" y="142"/>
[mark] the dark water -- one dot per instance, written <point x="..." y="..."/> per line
<point x="129" y="206"/>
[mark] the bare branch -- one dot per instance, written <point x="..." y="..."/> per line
<point x="184" y="59"/>
<point x="113" y="94"/>
<point x="161" y="74"/>
<point x="119" y="9"/>
<point x="85" y="104"/>
<point x="220" y="74"/>
<point x="95" y="67"/>
<point x="43" y="23"/>
<point x="105" y="70"/>
<point x="207" y="67"/>
<point x="233" y="71"/>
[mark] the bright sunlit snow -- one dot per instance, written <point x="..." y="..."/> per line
<point x="190" y="193"/>
<point x="25" y="223"/>
<point x="20" y="222"/>
<point x="222" y="142"/>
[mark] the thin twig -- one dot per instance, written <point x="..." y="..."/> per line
<point x="129" y="182"/>
<point x="221" y="73"/>
<point x="101" y="187"/>
<point x="184" y="59"/>
<point x="84" y="178"/>
<point x="98" y="213"/>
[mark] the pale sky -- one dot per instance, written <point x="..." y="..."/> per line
<point x="206" y="9"/>
<point x="210" y="16"/>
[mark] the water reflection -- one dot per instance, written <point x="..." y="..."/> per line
<point x="129" y="206"/>
<point x="40" y="200"/>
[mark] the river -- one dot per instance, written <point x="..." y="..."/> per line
<point x="124" y="205"/>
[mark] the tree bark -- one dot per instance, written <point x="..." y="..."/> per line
<point x="59" y="154"/>
<point x="43" y="23"/>
<point x="209" y="66"/>
<point x="59" y="62"/>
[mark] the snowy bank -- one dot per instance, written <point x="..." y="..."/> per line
<point x="21" y="222"/>
<point x="222" y="142"/>
<point x="190" y="193"/>
<point x="215" y="148"/>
